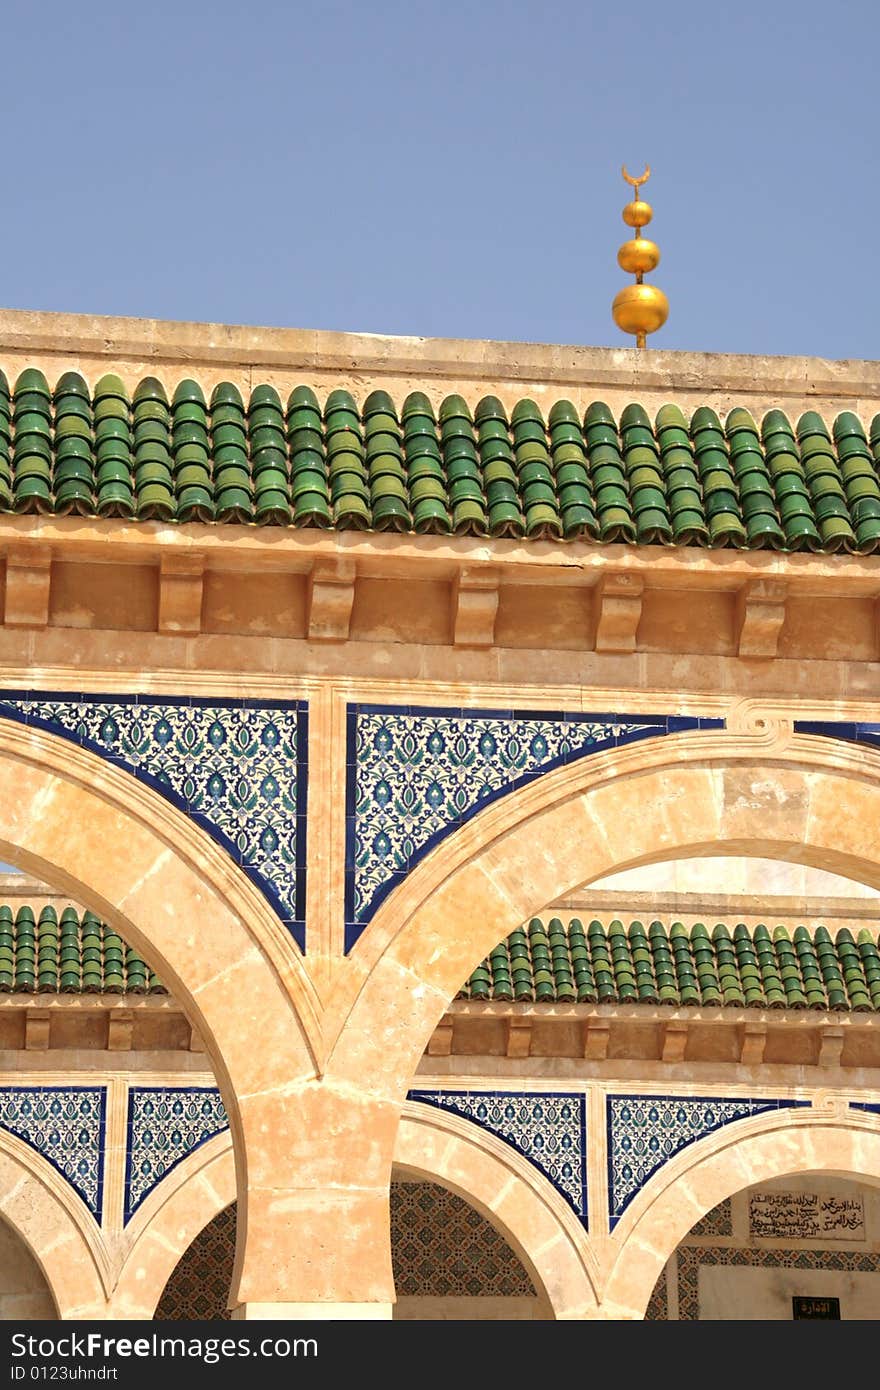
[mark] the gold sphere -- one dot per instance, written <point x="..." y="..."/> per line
<point x="637" y="213"/>
<point x="640" y="309"/>
<point x="638" y="256"/>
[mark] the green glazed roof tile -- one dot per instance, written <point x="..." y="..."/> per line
<point x="72" y="955"/>
<point x="618" y="963"/>
<point x="541" y="472"/>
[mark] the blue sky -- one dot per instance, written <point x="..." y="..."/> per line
<point x="446" y="168"/>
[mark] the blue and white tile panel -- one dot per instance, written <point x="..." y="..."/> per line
<point x="165" y="1125"/>
<point x="547" y="1127"/>
<point x="414" y="774"/>
<point x="646" y="1131"/>
<point x="236" y="767"/>
<point x="66" y="1125"/>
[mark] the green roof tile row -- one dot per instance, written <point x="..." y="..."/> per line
<point x="674" y="965"/>
<point x="72" y="954"/>
<point x="779" y="485"/>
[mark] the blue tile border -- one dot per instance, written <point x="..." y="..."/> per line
<point x="189" y="1137"/>
<point x="283" y="889"/>
<point x="83" y="1169"/>
<point x="847" y="731"/>
<point x="557" y="1146"/>
<point x="367" y="880"/>
<point x="625" y="1178"/>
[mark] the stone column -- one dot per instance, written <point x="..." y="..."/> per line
<point x="314" y="1239"/>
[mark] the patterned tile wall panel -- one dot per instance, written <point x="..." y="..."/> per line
<point x="165" y="1124"/>
<point x="66" y="1124"/>
<point x="645" y="1131"/>
<point x="442" y="1247"/>
<point x="658" y="1304"/>
<point x="717" y="1222"/>
<point x="415" y="774"/>
<point x="546" y="1127"/>
<point x="691" y="1257"/>
<point x="236" y="767"/>
<point x="198" y="1289"/>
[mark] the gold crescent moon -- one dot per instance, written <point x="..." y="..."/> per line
<point x="636" y="183"/>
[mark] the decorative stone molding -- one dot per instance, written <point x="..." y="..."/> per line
<point x="753" y="1044"/>
<point x="36" y="1030"/>
<point x="440" y="1044"/>
<point x="831" y="1046"/>
<point x="767" y="725"/>
<point x="675" y="1037"/>
<point x="597" y="1033"/>
<point x="518" y="1036"/>
<point x="695" y="1036"/>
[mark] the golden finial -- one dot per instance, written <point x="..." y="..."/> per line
<point x="640" y="309"/>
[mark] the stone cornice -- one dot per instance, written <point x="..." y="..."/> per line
<point x="138" y="344"/>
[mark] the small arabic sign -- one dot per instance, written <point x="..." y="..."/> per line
<point x="804" y="1307"/>
<point x="806" y="1216"/>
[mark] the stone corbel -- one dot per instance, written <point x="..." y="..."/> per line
<point x="181" y="591"/>
<point x="831" y="1042"/>
<point x="518" y="1036"/>
<point x="120" y="1026"/>
<point x="752" y="1044"/>
<point x="618" y="612"/>
<point x="474" y="607"/>
<point x="440" y="1043"/>
<point x="675" y="1036"/>
<point x="330" y="600"/>
<point x="760" y="614"/>
<point x="28" y="580"/>
<point x="596" y="1032"/>
<point x="36" y="1030"/>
